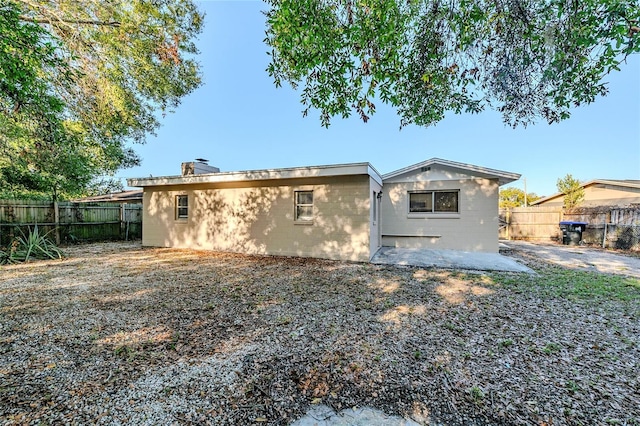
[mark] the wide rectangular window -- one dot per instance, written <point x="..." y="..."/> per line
<point x="182" y="206"/>
<point x="304" y="206"/>
<point x="433" y="202"/>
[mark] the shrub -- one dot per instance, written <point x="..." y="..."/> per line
<point x="32" y="246"/>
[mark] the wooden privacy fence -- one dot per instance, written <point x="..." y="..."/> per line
<point x="608" y="226"/>
<point x="530" y="223"/>
<point x="69" y="221"/>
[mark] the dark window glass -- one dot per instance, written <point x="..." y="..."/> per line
<point x="182" y="207"/>
<point x="446" y="202"/>
<point x="304" y="205"/>
<point x="420" y="202"/>
<point x="433" y="202"/>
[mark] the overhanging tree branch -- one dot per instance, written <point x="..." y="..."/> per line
<point x="528" y="60"/>
<point x="70" y="21"/>
<point x="94" y="73"/>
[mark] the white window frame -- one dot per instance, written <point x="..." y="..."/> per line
<point x="184" y="207"/>
<point x="296" y="216"/>
<point x="433" y="210"/>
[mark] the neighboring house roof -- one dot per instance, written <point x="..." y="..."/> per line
<point x="133" y="195"/>
<point x="483" y="172"/>
<point x="627" y="183"/>
<point x="258" y="175"/>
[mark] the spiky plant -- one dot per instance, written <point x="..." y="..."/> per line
<point x="34" y="245"/>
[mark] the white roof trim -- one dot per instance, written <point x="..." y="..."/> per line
<point x="503" y="177"/>
<point x="591" y="182"/>
<point x="633" y="184"/>
<point x="257" y="175"/>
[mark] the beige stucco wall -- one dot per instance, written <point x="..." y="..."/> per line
<point x="474" y="228"/>
<point x="258" y="218"/>
<point x="601" y="195"/>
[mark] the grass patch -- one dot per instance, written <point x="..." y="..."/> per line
<point x="475" y="394"/>
<point x="572" y="284"/>
<point x="551" y="348"/>
<point x="505" y="343"/>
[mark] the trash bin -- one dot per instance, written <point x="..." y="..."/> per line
<point x="572" y="232"/>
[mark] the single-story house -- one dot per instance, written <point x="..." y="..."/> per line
<point x="342" y="211"/>
<point x="600" y="192"/>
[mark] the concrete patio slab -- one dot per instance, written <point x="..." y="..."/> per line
<point x="448" y="259"/>
<point x="324" y="416"/>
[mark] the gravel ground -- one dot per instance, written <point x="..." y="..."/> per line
<point x="116" y="334"/>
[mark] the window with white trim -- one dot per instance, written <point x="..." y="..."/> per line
<point x="182" y="206"/>
<point x="304" y="206"/>
<point x="433" y="202"/>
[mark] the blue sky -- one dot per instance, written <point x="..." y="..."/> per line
<point x="238" y="120"/>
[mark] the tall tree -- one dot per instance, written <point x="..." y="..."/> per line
<point x="27" y="55"/>
<point x="528" y="59"/>
<point x="515" y="197"/>
<point x="572" y="190"/>
<point x="82" y="80"/>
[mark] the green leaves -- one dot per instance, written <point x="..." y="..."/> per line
<point x="529" y="60"/>
<point x="515" y="197"/>
<point x="344" y="53"/>
<point x="33" y="245"/>
<point x="79" y="81"/>
<point x="572" y="190"/>
<point x="26" y="55"/>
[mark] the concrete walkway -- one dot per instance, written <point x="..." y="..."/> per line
<point x="322" y="415"/>
<point x="448" y="259"/>
<point x="581" y="257"/>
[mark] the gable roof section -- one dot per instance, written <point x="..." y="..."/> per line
<point x="628" y="183"/>
<point x="258" y="175"/>
<point x="484" y="172"/>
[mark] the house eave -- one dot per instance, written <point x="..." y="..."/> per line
<point x="351" y="169"/>
<point x="502" y="176"/>
<point x="618" y="183"/>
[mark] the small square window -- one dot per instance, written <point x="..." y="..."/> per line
<point x="420" y="202"/>
<point x="445" y="202"/>
<point x="182" y="206"/>
<point x="304" y="206"/>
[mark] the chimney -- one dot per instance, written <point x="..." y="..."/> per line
<point x="198" y="167"/>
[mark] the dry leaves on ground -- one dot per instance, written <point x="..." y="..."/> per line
<point x="118" y="334"/>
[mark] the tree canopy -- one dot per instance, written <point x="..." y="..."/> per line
<point x="79" y="81"/>
<point x="515" y="197"/>
<point x="530" y="60"/>
<point x="572" y="190"/>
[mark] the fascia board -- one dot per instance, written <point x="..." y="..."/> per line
<point x="258" y="175"/>
<point x="503" y="177"/>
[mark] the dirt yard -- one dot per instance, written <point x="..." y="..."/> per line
<point x="116" y="334"/>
